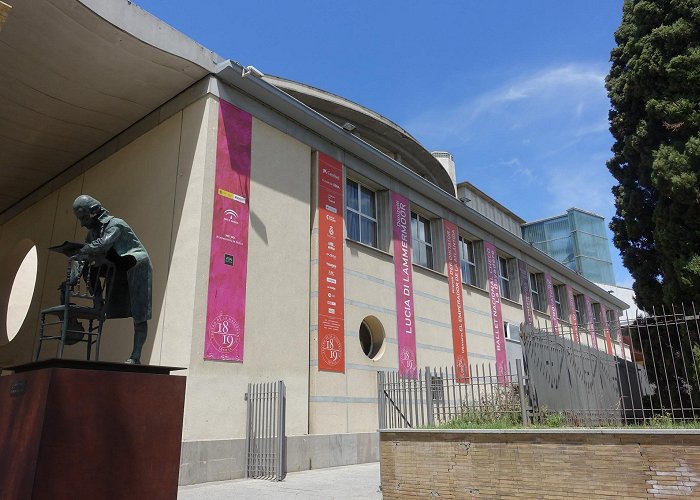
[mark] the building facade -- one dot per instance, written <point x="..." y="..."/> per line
<point x="339" y="245"/>
<point x="578" y="240"/>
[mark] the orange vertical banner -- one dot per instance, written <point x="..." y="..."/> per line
<point x="454" y="281"/>
<point x="331" y="297"/>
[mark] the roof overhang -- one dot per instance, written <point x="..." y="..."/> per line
<point x="73" y="74"/>
<point x="371" y="126"/>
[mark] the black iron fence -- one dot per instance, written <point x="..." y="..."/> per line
<point x="638" y="371"/>
<point x="634" y="371"/>
<point x="436" y="396"/>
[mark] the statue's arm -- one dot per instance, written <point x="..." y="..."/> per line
<point x="103" y="243"/>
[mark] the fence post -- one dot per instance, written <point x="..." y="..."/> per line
<point x="429" y="391"/>
<point x="521" y="388"/>
<point x="281" y="411"/>
<point x="381" y="399"/>
<point x="247" y="432"/>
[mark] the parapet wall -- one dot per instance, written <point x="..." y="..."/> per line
<point x="553" y="463"/>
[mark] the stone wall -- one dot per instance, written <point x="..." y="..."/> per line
<point x="554" y="463"/>
<point x="224" y="459"/>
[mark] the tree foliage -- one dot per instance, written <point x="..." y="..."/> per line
<point x="654" y="89"/>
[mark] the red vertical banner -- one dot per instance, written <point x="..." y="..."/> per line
<point x="591" y="321"/>
<point x="499" y="338"/>
<point x="527" y="295"/>
<point x="331" y="296"/>
<point x="572" y="314"/>
<point x="454" y="281"/>
<point x="606" y="328"/>
<point x="403" y="275"/>
<point x="228" y="258"/>
<point x="552" y="306"/>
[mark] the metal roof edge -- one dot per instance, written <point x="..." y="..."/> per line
<point x="230" y="72"/>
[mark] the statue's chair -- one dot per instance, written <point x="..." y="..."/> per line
<point x="84" y="298"/>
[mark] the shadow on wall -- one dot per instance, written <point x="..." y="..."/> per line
<point x="143" y="183"/>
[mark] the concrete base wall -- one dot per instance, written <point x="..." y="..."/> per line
<point x="224" y="459"/>
<point x="561" y="463"/>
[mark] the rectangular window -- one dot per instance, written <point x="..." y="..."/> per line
<point x="512" y="331"/>
<point x="361" y="213"/>
<point x="422" y="240"/>
<point x="508" y="278"/>
<point x="580" y="305"/>
<point x="539" y="297"/>
<point x="559" y="292"/>
<point x="467" y="259"/>
<point x="612" y="319"/>
<point x="505" y="283"/>
<point x="597" y="317"/>
<point x="503" y="278"/>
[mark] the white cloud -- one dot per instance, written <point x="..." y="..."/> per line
<point x="570" y="92"/>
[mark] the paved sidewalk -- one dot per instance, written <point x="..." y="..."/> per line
<point x="336" y="483"/>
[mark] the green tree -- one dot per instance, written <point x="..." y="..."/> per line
<point x="654" y="89"/>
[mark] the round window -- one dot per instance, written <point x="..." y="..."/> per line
<point x="20" y="270"/>
<point x="372" y="337"/>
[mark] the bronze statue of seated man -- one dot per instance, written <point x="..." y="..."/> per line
<point x="111" y="238"/>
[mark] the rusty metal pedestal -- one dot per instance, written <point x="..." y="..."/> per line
<point x="87" y="429"/>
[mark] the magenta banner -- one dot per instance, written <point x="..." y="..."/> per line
<point x="572" y="314"/>
<point x="525" y="289"/>
<point x="551" y="305"/>
<point x="499" y="338"/>
<point x="403" y="274"/>
<point x="454" y="281"/>
<point x="228" y="258"/>
<point x="591" y="321"/>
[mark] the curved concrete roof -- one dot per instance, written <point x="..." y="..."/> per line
<point x="372" y="127"/>
<point x="70" y="80"/>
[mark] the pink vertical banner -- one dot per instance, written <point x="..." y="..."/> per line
<point x="572" y="314"/>
<point x="525" y="291"/>
<point x="551" y="305"/>
<point x="454" y="281"/>
<point x="606" y="328"/>
<point x="499" y="339"/>
<point x="228" y="258"/>
<point x="331" y="293"/>
<point x="403" y="274"/>
<point x="591" y="321"/>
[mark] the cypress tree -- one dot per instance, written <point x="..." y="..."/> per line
<point x="654" y="90"/>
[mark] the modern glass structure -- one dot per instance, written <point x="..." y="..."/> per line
<point x="578" y="240"/>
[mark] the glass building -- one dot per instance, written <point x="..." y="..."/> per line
<point x="578" y="240"/>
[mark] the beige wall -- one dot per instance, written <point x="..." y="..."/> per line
<point x="162" y="183"/>
<point x="277" y="295"/>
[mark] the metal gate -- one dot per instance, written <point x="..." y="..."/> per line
<point x="266" y="454"/>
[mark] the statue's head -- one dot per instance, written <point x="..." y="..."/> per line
<point x="86" y="210"/>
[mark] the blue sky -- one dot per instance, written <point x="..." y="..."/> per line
<point x="514" y="90"/>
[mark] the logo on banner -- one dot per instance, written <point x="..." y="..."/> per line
<point x="330" y="349"/>
<point x="462" y="368"/>
<point x="224" y="333"/>
<point x="231" y="216"/>
<point x="407" y="360"/>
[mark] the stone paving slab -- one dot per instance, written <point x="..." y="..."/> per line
<point x="335" y="483"/>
